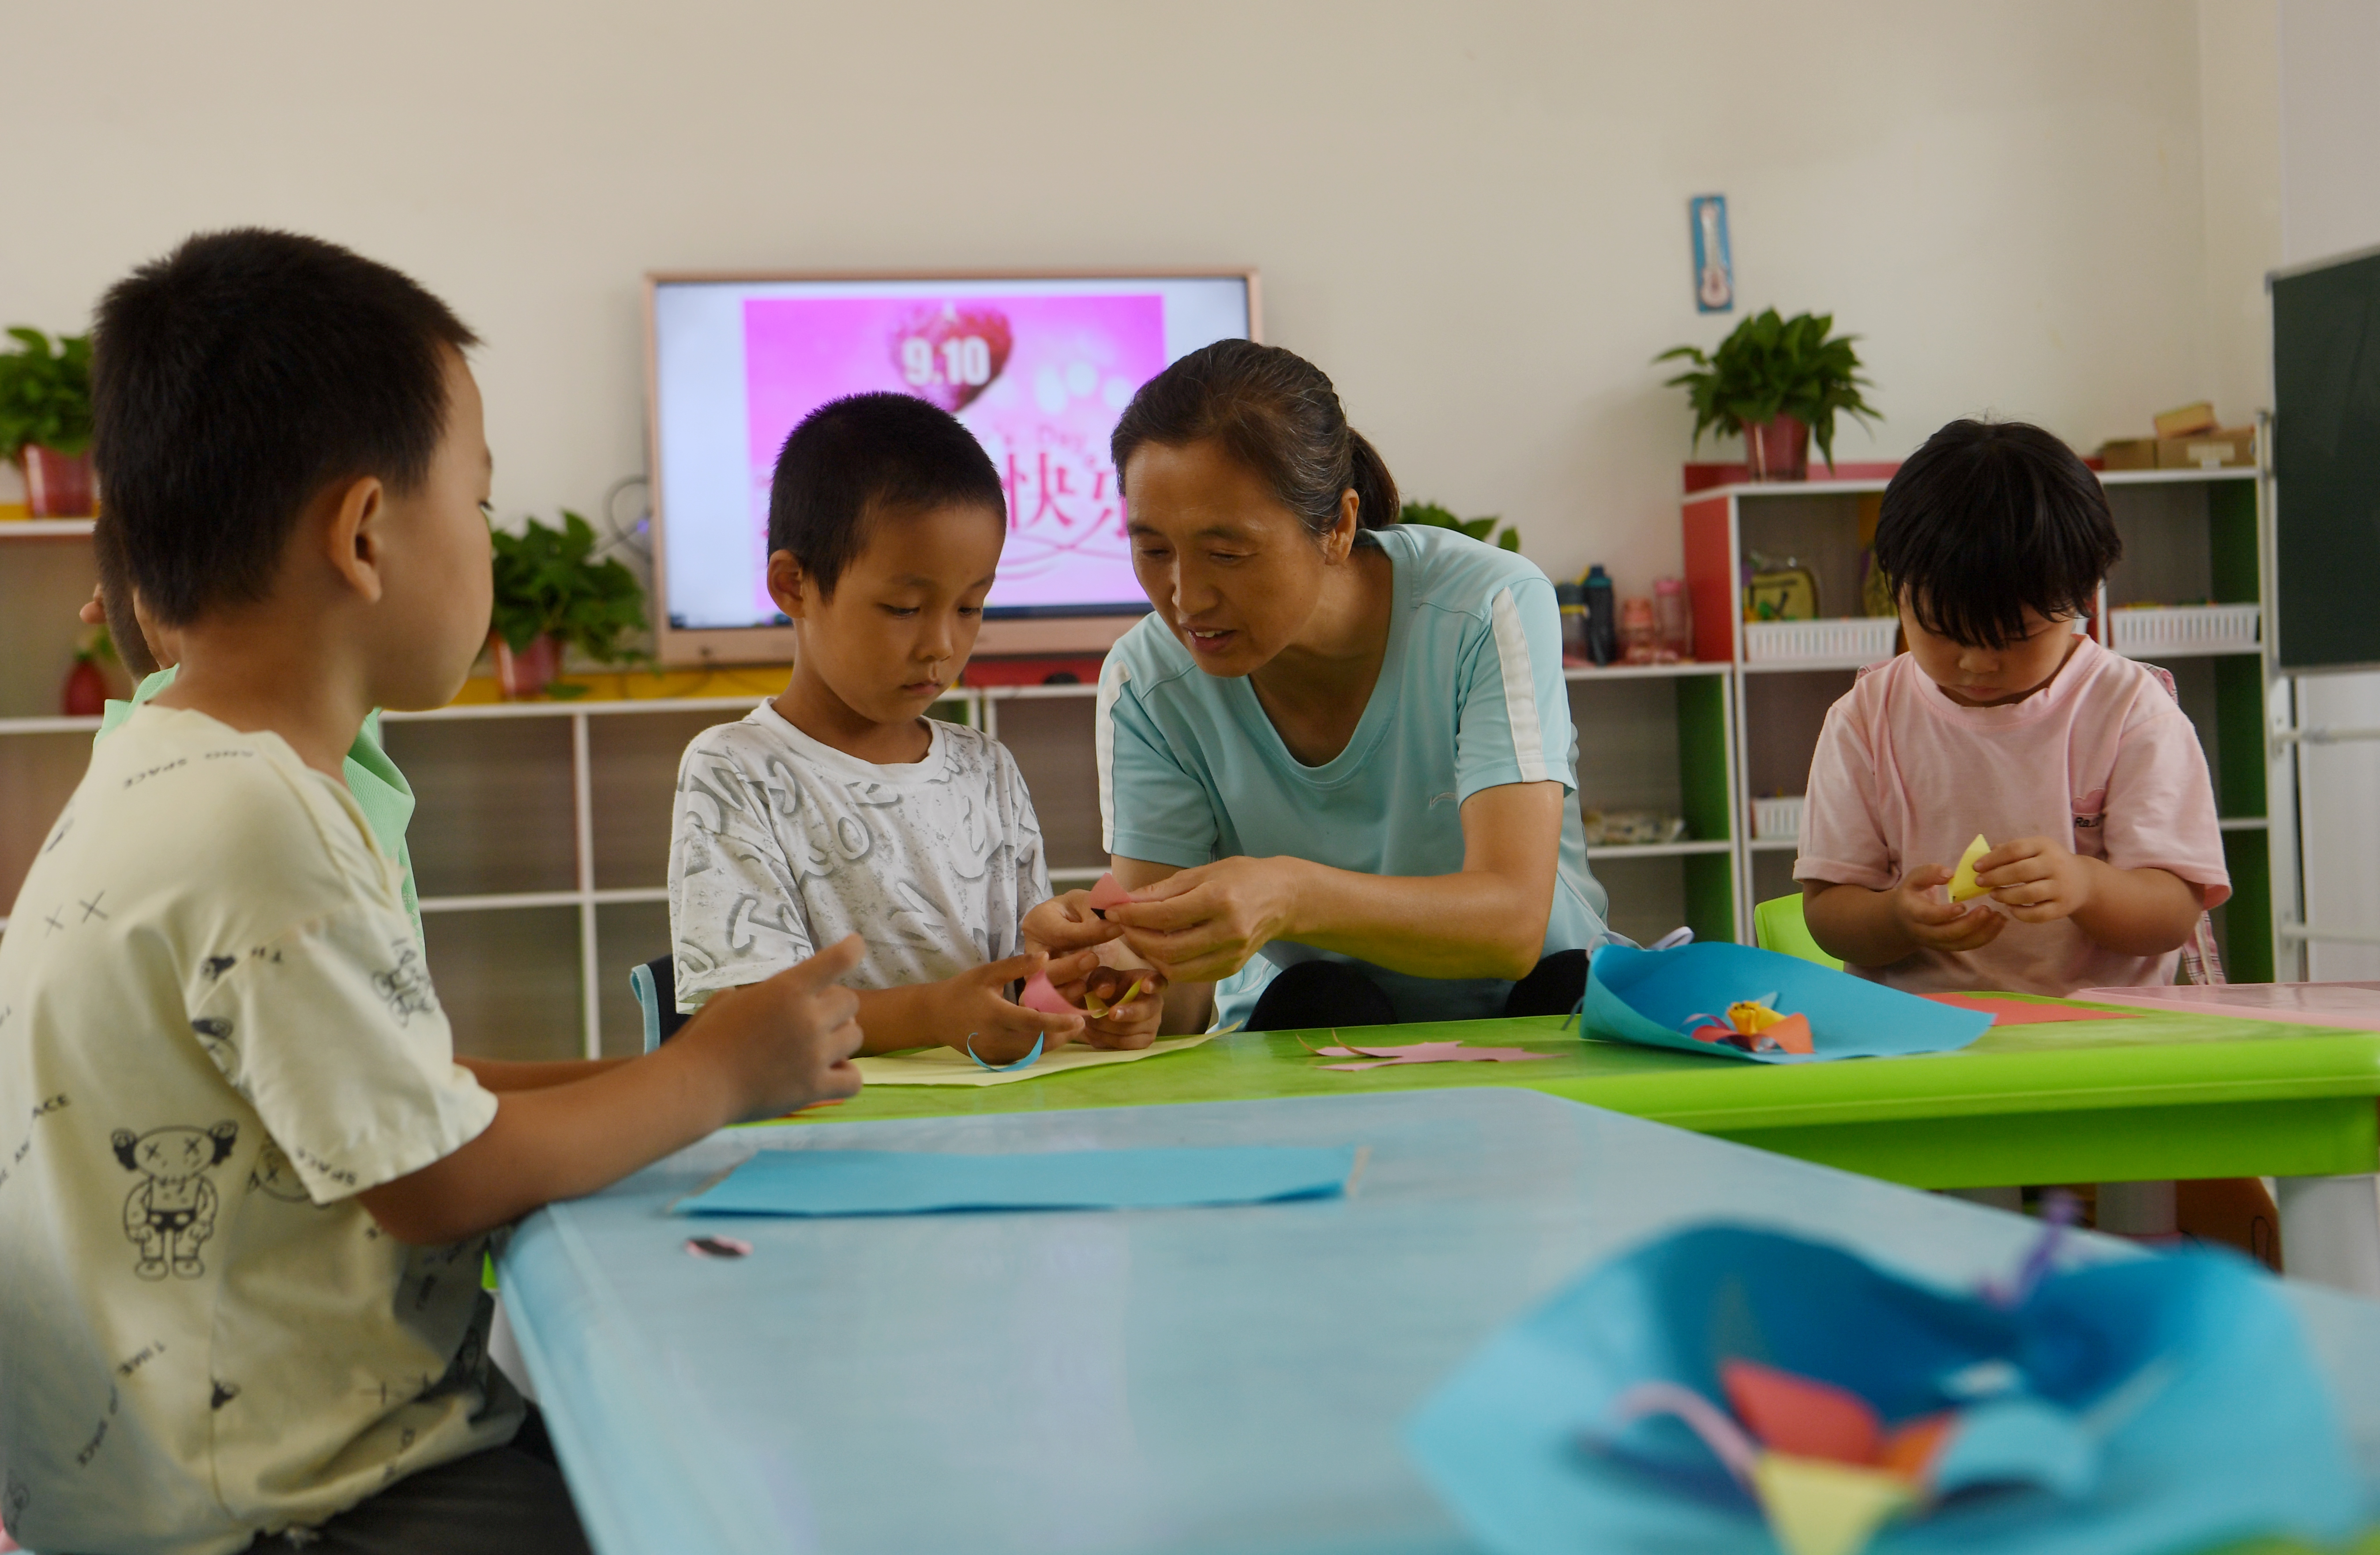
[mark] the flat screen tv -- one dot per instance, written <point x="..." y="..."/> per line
<point x="1038" y="366"/>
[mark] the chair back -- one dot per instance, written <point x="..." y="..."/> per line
<point x="1778" y="925"/>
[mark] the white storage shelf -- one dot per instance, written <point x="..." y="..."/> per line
<point x="2185" y="631"/>
<point x="1777" y="820"/>
<point x="1843" y="642"/>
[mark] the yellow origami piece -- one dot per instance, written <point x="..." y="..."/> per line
<point x="1962" y="880"/>
<point x="1817" y="1507"/>
<point x="1098" y="1008"/>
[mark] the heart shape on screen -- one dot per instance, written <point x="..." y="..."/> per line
<point x="950" y="354"/>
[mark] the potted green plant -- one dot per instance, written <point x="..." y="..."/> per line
<point x="1432" y="516"/>
<point x="1779" y="382"/>
<point x="552" y="593"/>
<point x="45" y="421"/>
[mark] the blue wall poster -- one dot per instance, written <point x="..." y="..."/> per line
<point x="1714" y="269"/>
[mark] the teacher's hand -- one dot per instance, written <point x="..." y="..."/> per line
<point x="1199" y="925"/>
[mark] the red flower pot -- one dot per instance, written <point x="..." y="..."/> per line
<point x="85" y="692"/>
<point x="528" y="672"/>
<point x="57" y="485"/>
<point x="1777" y="449"/>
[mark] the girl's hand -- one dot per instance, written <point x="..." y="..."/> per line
<point x="1941" y="924"/>
<point x="1127" y="1026"/>
<point x="1067" y="923"/>
<point x="1199" y="925"/>
<point x="973" y="1010"/>
<point x="2036" y="880"/>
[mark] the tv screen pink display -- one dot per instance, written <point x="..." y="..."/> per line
<point x="1038" y="369"/>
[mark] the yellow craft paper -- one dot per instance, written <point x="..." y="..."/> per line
<point x="1751" y="1017"/>
<point x="1962" y="880"/>
<point x="1819" y="1507"/>
<point x="1098" y="1008"/>
<point x="947" y="1066"/>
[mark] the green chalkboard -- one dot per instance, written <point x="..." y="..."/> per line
<point x="2326" y="465"/>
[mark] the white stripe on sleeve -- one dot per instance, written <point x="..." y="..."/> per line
<point x="1520" y="690"/>
<point x="1112" y="679"/>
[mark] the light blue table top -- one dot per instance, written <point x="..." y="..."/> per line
<point x="1214" y="1381"/>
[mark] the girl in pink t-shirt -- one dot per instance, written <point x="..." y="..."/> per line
<point x="2002" y="721"/>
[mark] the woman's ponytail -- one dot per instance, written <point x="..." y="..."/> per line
<point x="1376" y="489"/>
<point x="1275" y="413"/>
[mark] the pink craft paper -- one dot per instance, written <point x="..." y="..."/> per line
<point x="2352" y="1005"/>
<point x="2016" y="1011"/>
<point x="1039" y="995"/>
<point x="1106" y="894"/>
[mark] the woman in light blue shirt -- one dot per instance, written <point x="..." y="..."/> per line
<point x="1336" y="763"/>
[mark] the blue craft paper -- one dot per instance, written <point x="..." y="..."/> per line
<point x="2188" y="1374"/>
<point x="1648" y="996"/>
<point x="1032" y="1056"/>
<point x="925" y="1181"/>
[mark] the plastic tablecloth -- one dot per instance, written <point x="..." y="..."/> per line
<point x="1211" y="1381"/>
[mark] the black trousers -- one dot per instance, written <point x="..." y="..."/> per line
<point x="1324" y="993"/>
<point x="506" y="1500"/>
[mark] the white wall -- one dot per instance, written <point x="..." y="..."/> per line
<point x="2330" y="204"/>
<point x="1473" y="215"/>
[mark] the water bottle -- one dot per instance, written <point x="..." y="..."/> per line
<point x="1572" y="604"/>
<point x="1602" y="616"/>
<point x="1673" y="618"/>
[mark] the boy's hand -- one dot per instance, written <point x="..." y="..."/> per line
<point x="973" y="1010"/>
<point x="786" y="1042"/>
<point x="1067" y="923"/>
<point x="2036" y="880"/>
<point x="1123" y="1026"/>
<point x="1940" y="925"/>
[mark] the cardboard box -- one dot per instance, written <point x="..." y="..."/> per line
<point x="2187" y="421"/>
<point x="2214" y="450"/>
<point x="2129" y="453"/>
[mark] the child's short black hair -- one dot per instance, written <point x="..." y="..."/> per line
<point x="886" y="450"/>
<point x="1990" y="518"/>
<point x="234" y="379"/>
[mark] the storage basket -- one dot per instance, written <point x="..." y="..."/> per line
<point x="2181" y="631"/>
<point x="1777" y="821"/>
<point x="1858" y="640"/>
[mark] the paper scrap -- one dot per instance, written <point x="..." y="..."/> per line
<point x="817" y="1182"/>
<point x="1962" y="879"/>
<point x="947" y="1066"/>
<point x="1031" y="1054"/>
<point x="718" y="1247"/>
<point x="1416" y="1052"/>
<point x="1106" y="894"/>
<point x="1801" y="1415"/>
<point x="2019" y="1011"/>
<point x="1815" y="1507"/>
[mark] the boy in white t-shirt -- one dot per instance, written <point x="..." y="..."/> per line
<point x="839" y="807"/>
<point x="246" y="1185"/>
<point x="2001" y="720"/>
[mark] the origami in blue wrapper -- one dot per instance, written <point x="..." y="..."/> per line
<point x="1658" y="997"/>
<point x="2143" y="1405"/>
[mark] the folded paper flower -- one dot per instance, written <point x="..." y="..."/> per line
<point x="1662" y="999"/>
<point x="1732" y="1390"/>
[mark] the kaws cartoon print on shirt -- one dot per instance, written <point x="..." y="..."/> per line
<point x="170" y="1212"/>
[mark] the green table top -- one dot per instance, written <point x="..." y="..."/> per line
<point x="2135" y="1096"/>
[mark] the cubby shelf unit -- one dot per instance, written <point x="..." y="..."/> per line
<point x="2189" y="534"/>
<point x="541" y="835"/>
